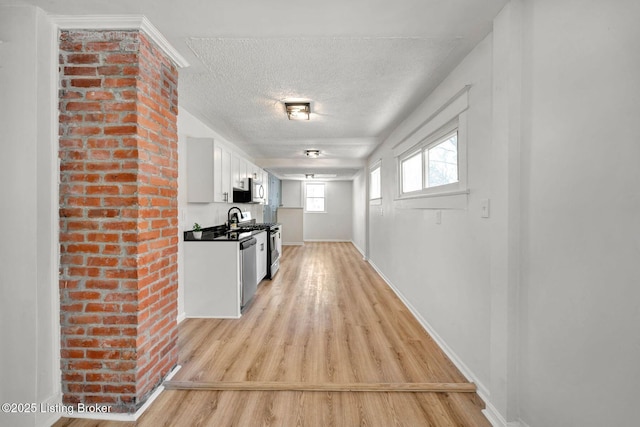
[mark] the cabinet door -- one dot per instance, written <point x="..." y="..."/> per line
<point x="265" y="183"/>
<point x="244" y="169"/>
<point x="222" y="174"/>
<point x="200" y="170"/>
<point x="212" y="296"/>
<point x="236" y="170"/>
<point x="251" y="170"/>
<point x="226" y="175"/>
<point x="261" y="256"/>
<point x="255" y="172"/>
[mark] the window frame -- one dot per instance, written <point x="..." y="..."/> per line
<point x="377" y="166"/>
<point x="455" y="109"/>
<point x="411" y="154"/>
<point x="324" y="197"/>
<point x="421" y="148"/>
<point x="427" y="159"/>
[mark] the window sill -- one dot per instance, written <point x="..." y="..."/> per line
<point x="446" y="200"/>
<point x="375" y="202"/>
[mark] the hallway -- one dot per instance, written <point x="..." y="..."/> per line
<point x="325" y="326"/>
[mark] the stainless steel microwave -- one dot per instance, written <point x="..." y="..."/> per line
<point x="252" y="191"/>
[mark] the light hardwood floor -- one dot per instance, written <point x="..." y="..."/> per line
<point x="326" y="343"/>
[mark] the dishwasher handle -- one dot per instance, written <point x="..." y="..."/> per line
<point x="248" y="243"/>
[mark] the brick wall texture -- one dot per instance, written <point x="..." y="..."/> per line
<point x="118" y="217"/>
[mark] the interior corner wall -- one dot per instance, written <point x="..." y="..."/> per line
<point x="580" y="342"/>
<point x="29" y="360"/>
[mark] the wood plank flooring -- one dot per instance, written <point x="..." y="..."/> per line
<point x="326" y="322"/>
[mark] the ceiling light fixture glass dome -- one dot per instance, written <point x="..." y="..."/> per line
<point x="298" y="110"/>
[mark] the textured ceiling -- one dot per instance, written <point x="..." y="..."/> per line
<point x="363" y="64"/>
<point x="356" y="87"/>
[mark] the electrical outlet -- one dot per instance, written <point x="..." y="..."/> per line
<point x="438" y="217"/>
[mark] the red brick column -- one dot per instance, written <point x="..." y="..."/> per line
<point x="118" y="217"/>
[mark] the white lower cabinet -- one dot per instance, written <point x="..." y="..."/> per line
<point x="261" y="256"/>
<point x="212" y="279"/>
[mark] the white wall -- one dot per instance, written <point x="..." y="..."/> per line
<point x="205" y="214"/>
<point x="359" y="211"/>
<point x="580" y="312"/>
<point x="443" y="270"/>
<point x="540" y="302"/>
<point x="335" y="224"/>
<point x="291" y="193"/>
<point x="29" y="359"/>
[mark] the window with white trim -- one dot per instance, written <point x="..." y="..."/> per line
<point x="314" y="197"/>
<point x="431" y="162"/>
<point x="375" y="190"/>
<point x="432" y="165"/>
<point x="441" y="161"/>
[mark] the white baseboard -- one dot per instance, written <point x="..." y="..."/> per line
<point x="47" y="419"/>
<point x="364" y="257"/>
<point x="327" y="240"/>
<point x="214" y="317"/>
<point x="128" y="417"/>
<point x="293" y="244"/>
<point x="490" y="412"/>
<point x="181" y="317"/>
<point x="496" y="419"/>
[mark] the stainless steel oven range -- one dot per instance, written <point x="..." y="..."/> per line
<point x="274" y="244"/>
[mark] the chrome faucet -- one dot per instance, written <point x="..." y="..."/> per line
<point x="229" y="215"/>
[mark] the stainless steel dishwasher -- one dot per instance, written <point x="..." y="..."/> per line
<point x="248" y="270"/>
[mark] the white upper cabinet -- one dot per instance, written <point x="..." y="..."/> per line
<point x="200" y="170"/>
<point x="213" y="171"/>
<point x="238" y="171"/>
<point x="255" y="172"/>
<point x="265" y="183"/>
<point x="222" y="174"/>
<point x="245" y="167"/>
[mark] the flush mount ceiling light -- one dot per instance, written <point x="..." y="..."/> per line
<point x="298" y="110"/>
<point x="312" y="153"/>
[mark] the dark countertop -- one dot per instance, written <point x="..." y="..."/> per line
<point x="234" y="236"/>
<point x="220" y="234"/>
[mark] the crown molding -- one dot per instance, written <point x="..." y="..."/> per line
<point x="120" y="22"/>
